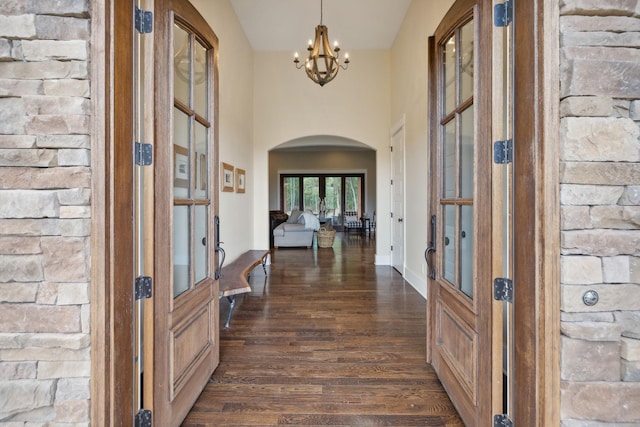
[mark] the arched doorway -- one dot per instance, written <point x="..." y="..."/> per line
<point x="339" y="170"/>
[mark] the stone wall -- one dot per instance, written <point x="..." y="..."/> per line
<point x="600" y="198"/>
<point x="44" y="213"/>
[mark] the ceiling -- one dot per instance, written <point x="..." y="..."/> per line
<point x="279" y="25"/>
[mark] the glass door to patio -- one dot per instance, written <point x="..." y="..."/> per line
<point x="340" y="192"/>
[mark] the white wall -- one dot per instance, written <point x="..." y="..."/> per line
<point x="409" y="74"/>
<point x="287" y="105"/>
<point x="236" y="122"/>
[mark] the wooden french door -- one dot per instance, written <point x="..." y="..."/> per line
<point x="184" y="338"/>
<point x="464" y="322"/>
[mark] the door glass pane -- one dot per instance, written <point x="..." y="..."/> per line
<point x="181" y="64"/>
<point x="466" y="251"/>
<point x="201" y="243"/>
<point x="449" y="161"/>
<point x="333" y="197"/>
<point x="449" y="243"/>
<point x="181" y="167"/>
<point x="291" y="194"/>
<point x="200" y="80"/>
<point x="192" y="206"/>
<point x="201" y="161"/>
<point x="352" y="194"/>
<point x="181" y="246"/>
<point x="311" y="193"/>
<point x="466" y="62"/>
<point x="449" y="75"/>
<point x="458" y="158"/>
<point x="466" y="153"/>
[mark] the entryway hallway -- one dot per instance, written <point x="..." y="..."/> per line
<point x="328" y="338"/>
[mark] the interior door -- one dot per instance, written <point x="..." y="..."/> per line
<point x="461" y="312"/>
<point x="186" y="349"/>
<point x="397" y="195"/>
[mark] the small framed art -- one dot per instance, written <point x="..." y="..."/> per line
<point x="227" y="177"/>
<point x="240" y="180"/>
<point x="180" y="166"/>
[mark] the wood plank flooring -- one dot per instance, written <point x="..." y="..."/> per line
<point x="327" y="339"/>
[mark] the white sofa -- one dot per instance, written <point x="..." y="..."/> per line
<point x="296" y="231"/>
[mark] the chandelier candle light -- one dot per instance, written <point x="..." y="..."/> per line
<point x="323" y="63"/>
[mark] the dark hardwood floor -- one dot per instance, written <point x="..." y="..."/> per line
<point x="327" y="339"/>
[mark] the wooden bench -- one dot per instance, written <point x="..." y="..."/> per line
<point x="234" y="277"/>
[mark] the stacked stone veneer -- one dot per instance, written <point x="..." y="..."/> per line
<point x="600" y="198"/>
<point x="44" y="213"/>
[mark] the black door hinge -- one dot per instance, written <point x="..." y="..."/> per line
<point x="503" y="152"/>
<point x="144" y="154"/>
<point x="503" y="289"/>
<point x="144" y="287"/>
<point x="503" y="14"/>
<point x="143" y="418"/>
<point x="502" y="420"/>
<point x="144" y="21"/>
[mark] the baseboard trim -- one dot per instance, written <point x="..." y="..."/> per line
<point x="417" y="282"/>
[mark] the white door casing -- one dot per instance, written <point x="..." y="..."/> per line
<point x="397" y="197"/>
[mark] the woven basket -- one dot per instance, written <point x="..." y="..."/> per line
<point x="325" y="237"/>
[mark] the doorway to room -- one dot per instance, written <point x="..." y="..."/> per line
<point x="340" y="172"/>
<point x="533" y="360"/>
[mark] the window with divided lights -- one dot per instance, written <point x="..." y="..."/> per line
<point x="191" y="135"/>
<point x="457" y="122"/>
<point x="341" y="192"/>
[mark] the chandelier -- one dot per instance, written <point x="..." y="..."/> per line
<point x="323" y="63"/>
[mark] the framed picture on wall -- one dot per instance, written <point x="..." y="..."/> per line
<point x="180" y="166"/>
<point x="240" y="180"/>
<point x="203" y="171"/>
<point x="227" y="177"/>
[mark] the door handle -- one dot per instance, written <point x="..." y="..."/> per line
<point x="399" y="219"/>
<point x="217" y="247"/>
<point x="431" y="249"/>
